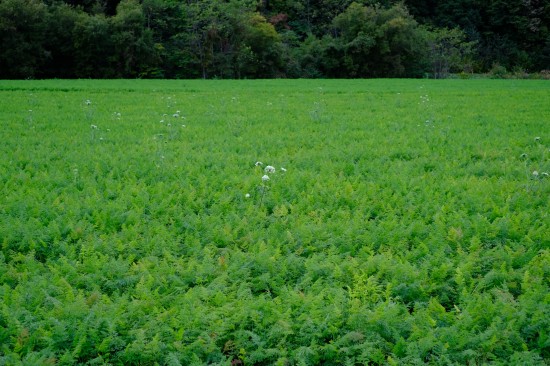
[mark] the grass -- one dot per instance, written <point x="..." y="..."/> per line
<point x="409" y="227"/>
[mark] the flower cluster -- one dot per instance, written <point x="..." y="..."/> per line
<point x="269" y="169"/>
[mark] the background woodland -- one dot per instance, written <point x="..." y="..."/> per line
<point x="271" y="38"/>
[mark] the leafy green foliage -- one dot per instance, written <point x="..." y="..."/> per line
<point x="449" y="52"/>
<point x="379" y="41"/>
<point x="238" y="39"/>
<point x="21" y="37"/>
<point x="408" y="225"/>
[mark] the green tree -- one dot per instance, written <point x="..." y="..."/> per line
<point x="377" y="41"/>
<point x="264" y="43"/>
<point x="135" y="54"/>
<point x="449" y="51"/>
<point x="224" y="40"/>
<point x="22" y="30"/>
<point x="195" y="42"/>
<point x="309" y="58"/>
<point x="308" y="17"/>
<point x="59" y="44"/>
<point x="516" y="32"/>
<point x="512" y="33"/>
<point x="94" y="48"/>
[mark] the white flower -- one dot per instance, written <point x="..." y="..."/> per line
<point x="265" y="178"/>
<point x="94" y="127"/>
<point x="283" y="169"/>
<point x="537" y="138"/>
<point x="259" y="163"/>
<point x="247" y="195"/>
<point x="269" y="169"/>
<point x="545" y="174"/>
<point x="88" y="102"/>
<point x="535" y="173"/>
<point x="176" y="115"/>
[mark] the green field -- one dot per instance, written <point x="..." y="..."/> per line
<point x="411" y="225"/>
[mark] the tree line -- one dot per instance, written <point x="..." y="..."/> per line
<point x="270" y="38"/>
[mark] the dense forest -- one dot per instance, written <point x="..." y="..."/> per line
<point x="271" y="38"/>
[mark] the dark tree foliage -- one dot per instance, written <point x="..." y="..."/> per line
<point x="375" y="41"/>
<point x="513" y="33"/>
<point x="22" y="37"/>
<point x="268" y="38"/>
<point x="60" y="41"/>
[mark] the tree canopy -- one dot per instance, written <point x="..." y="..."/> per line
<point x="270" y="38"/>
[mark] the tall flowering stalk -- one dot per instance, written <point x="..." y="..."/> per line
<point x="265" y="185"/>
<point x="265" y="180"/>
